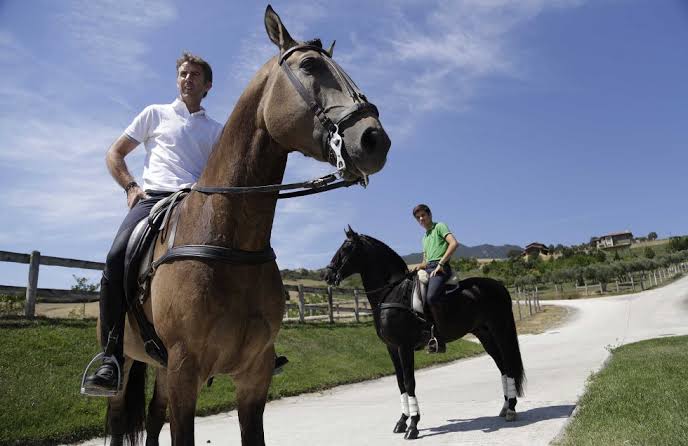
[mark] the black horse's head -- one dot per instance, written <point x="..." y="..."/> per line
<point x="345" y="261"/>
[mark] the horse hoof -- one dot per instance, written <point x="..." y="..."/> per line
<point x="510" y="415"/>
<point x="400" y="427"/>
<point x="411" y="434"/>
<point x="502" y="413"/>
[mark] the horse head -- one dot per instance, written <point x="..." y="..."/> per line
<point x="312" y="105"/>
<point x="345" y="261"/>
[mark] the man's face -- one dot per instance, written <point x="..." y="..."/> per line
<point x="424" y="219"/>
<point x="191" y="82"/>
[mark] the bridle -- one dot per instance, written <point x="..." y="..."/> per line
<point x="387" y="286"/>
<point x="332" y="141"/>
<point x="331" y="144"/>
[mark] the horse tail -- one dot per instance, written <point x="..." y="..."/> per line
<point x="134" y="416"/>
<point x="512" y="351"/>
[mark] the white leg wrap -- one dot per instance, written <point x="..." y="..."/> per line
<point x="510" y="388"/>
<point x="405" y="404"/>
<point x="413" y="406"/>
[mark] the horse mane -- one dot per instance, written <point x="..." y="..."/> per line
<point x="390" y="257"/>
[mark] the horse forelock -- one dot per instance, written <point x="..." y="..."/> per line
<point x="314" y="42"/>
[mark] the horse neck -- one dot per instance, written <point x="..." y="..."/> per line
<point x="245" y="155"/>
<point x="378" y="271"/>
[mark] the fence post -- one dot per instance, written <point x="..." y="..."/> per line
<point x="329" y="304"/>
<point x="356" y="306"/>
<point x="32" y="286"/>
<point x="518" y="304"/>
<point x="302" y="305"/>
<point x="632" y="284"/>
<point x="617" y="285"/>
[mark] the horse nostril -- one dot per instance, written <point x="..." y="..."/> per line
<point x="370" y="139"/>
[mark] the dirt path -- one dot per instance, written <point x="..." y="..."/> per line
<point x="459" y="402"/>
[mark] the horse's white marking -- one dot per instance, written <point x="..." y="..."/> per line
<point x="510" y="387"/>
<point x="413" y="406"/>
<point x="405" y="404"/>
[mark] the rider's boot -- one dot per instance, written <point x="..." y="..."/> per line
<point x="280" y="362"/>
<point x="108" y="378"/>
<point x="436" y="343"/>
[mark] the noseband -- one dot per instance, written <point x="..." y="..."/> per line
<point x="332" y="141"/>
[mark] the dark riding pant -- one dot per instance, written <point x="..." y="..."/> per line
<point x="112" y="300"/>
<point x="436" y="283"/>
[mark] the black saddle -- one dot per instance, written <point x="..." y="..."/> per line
<point x="137" y="267"/>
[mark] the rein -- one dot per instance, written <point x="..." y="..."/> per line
<point x="321" y="184"/>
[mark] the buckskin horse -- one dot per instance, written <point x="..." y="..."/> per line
<point x="480" y="305"/>
<point x="216" y="296"/>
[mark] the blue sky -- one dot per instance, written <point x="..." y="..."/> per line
<point x="516" y="121"/>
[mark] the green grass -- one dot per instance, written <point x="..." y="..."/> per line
<point x="640" y="398"/>
<point x="42" y="362"/>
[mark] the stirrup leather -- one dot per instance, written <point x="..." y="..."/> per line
<point x="101" y="392"/>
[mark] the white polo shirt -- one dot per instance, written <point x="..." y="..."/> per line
<point x="178" y="144"/>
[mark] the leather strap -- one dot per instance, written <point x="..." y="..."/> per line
<point x="207" y="252"/>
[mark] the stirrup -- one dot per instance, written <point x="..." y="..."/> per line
<point x="101" y="392"/>
<point x="434" y="343"/>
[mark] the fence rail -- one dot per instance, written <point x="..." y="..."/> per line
<point x="333" y="309"/>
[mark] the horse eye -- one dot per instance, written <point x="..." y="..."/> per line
<point x="308" y="64"/>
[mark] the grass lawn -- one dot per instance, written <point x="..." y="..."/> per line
<point x="42" y="362"/>
<point x="639" y="398"/>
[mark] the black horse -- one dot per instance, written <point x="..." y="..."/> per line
<point x="480" y="306"/>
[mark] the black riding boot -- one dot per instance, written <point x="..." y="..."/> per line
<point x="436" y="343"/>
<point x="107" y="379"/>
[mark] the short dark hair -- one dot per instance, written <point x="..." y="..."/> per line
<point x="422" y="207"/>
<point x="196" y="60"/>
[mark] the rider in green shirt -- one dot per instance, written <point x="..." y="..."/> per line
<point x="439" y="245"/>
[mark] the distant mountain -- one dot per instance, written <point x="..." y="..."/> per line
<point x="480" y="251"/>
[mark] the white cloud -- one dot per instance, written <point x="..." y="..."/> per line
<point x="111" y="33"/>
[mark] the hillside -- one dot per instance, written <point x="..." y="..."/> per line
<point x="479" y="251"/>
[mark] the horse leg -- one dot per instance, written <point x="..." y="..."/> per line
<point x="252" y="392"/>
<point x="487" y="340"/>
<point x="183" y="385"/>
<point x="513" y="375"/>
<point x="157" y="408"/>
<point x="126" y="410"/>
<point x="400" y="427"/>
<point x="407" y="357"/>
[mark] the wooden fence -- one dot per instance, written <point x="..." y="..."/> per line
<point x="339" y="303"/>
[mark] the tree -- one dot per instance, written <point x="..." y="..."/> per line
<point x="514" y="253"/>
<point x="652" y="236"/>
<point x="82" y="284"/>
<point x="649" y="253"/>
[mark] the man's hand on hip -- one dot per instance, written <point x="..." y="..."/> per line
<point x="134" y="195"/>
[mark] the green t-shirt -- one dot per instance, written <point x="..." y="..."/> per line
<point x="434" y="243"/>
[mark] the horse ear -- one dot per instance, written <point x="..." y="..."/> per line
<point x="276" y="30"/>
<point x="331" y="50"/>
<point x="350" y="233"/>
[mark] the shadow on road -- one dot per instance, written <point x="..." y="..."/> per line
<point x="491" y="424"/>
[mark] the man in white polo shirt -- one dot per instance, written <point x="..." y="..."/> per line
<point x="178" y="139"/>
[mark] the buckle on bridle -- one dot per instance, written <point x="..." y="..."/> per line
<point x="335" y="143"/>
